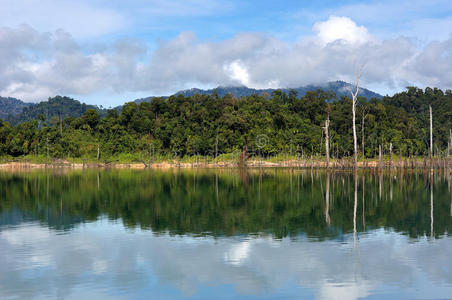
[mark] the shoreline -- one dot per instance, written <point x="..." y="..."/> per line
<point x="339" y="164"/>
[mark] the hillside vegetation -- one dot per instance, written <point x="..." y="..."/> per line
<point x="211" y="125"/>
<point x="10" y="107"/>
<point x="58" y="107"/>
<point x="339" y="88"/>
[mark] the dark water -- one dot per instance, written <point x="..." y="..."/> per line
<point x="225" y="234"/>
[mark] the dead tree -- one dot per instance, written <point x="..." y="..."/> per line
<point x="431" y="133"/>
<point x="354" y="92"/>
<point x="47" y="146"/>
<point x="364" y="115"/>
<point x="216" y="145"/>
<point x="327" y="141"/>
<point x="243" y="157"/>
<point x="390" y="155"/>
<point x="380" y="158"/>
<point x="450" y="142"/>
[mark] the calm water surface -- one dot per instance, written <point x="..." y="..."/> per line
<point x="221" y="234"/>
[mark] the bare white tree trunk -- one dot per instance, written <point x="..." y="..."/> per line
<point x="47" y="145"/>
<point x="327" y="141"/>
<point x="355" y="142"/>
<point x="364" y="115"/>
<point x="390" y="155"/>
<point x="431" y="133"/>
<point x="450" y="142"/>
<point x="216" y="146"/>
<point x="354" y="94"/>
<point x="380" y="157"/>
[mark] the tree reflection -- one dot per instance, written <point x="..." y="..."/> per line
<point x="227" y="202"/>
<point x="355" y="205"/>
<point x="327" y="200"/>
<point x="431" y="204"/>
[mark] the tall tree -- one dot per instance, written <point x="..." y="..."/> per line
<point x="431" y="132"/>
<point x="450" y="142"/>
<point x="354" y="92"/>
<point x="364" y="114"/>
<point x="327" y="140"/>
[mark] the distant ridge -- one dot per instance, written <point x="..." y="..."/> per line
<point x="338" y="87"/>
<point x="16" y="111"/>
<point x="57" y="106"/>
<point x="11" y="106"/>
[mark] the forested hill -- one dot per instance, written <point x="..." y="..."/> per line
<point x="11" y="107"/>
<point x="210" y="125"/>
<point x="415" y="102"/>
<point x="56" y="107"/>
<point x="340" y="88"/>
<point x="16" y="111"/>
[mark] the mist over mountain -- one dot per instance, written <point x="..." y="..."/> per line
<point x="16" y="111"/>
<point x="58" y="106"/>
<point x="11" y="107"/>
<point x="340" y="88"/>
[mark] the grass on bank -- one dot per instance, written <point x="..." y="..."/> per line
<point x="130" y="158"/>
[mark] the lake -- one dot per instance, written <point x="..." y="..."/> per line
<point x="221" y="234"/>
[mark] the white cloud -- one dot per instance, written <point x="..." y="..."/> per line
<point x="425" y="20"/>
<point x="238" y="72"/>
<point x="434" y="64"/>
<point x="38" y="65"/>
<point x="341" y="28"/>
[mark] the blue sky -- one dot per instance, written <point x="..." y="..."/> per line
<point x="107" y="52"/>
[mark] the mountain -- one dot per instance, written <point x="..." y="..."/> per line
<point x="338" y="87"/>
<point x="11" y="106"/>
<point x="16" y="111"/>
<point x="58" y="106"/>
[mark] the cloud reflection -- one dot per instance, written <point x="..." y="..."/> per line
<point x="106" y="258"/>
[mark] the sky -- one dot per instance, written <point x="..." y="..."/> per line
<point x="108" y="52"/>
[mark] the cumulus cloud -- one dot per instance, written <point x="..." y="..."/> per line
<point x="434" y="64"/>
<point x="426" y="20"/>
<point x="238" y="72"/>
<point x="341" y="28"/>
<point x="37" y="65"/>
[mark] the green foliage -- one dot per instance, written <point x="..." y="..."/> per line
<point x="10" y="107"/>
<point x="209" y="125"/>
<point x="57" y="107"/>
